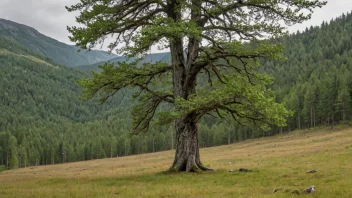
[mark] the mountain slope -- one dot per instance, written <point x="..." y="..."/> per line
<point x="31" y="39"/>
<point x="37" y="87"/>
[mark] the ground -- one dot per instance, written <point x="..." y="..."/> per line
<point x="280" y="161"/>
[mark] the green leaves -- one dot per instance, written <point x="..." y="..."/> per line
<point x="113" y="79"/>
<point x="236" y="99"/>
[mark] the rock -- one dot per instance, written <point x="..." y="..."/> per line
<point x="312" y="171"/>
<point x="244" y="170"/>
<point x="310" y="189"/>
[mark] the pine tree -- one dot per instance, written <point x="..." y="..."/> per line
<point x="13" y="159"/>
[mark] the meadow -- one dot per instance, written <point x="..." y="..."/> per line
<point x="280" y="162"/>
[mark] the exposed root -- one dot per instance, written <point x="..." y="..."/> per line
<point x="203" y="168"/>
<point x="188" y="167"/>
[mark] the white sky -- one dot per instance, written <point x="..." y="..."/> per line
<point x="51" y="18"/>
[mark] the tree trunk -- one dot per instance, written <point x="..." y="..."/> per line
<point x="153" y="144"/>
<point x="110" y="150"/>
<point x="311" y="116"/>
<point x="343" y="114"/>
<point x="187" y="151"/>
<point x="299" y="122"/>
<point x="314" y="117"/>
<point x="229" y="138"/>
<point x="7" y="159"/>
<point x="184" y="76"/>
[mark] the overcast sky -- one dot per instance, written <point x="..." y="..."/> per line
<point x="51" y="18"/>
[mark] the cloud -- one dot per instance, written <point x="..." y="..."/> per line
<point x="333" y="9"/>
<point x="47" y="16"/>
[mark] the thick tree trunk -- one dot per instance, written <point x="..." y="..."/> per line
<point x="184" y="84"/>
<point x="187" y="150"/>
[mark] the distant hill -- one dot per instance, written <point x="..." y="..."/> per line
<point x="31" y="39"/>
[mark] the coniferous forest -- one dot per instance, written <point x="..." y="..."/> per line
<point x="43" y="121"/>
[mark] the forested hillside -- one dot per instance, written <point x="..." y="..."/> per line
<point x="31" y="39"/>
<point x="316" y="79"/>
<point x="35" y="93"/>
<point x="42" y="121"/>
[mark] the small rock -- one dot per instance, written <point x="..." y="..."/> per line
<point x="312" y="171"/>
<point x="310" y="189"/>
<point x="244" y="170"/>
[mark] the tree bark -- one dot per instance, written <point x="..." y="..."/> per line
<point x="184" y="84"/>
<point x="187" y="156"/>
<point x="187" y="150"/>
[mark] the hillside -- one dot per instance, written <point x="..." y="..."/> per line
<point x="38" y="43"/>
<point x="316" y="79"/>
<point x="37" y="87"/>
<point x="280" y="162"/>
<point x="39" y="105"/>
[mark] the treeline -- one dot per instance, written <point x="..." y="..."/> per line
<point x="44" y="143"/>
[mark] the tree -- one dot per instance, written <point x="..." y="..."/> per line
<point x="218" y="38"/>
<point x="13" y="159"/>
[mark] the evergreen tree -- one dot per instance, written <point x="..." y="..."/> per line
<point x="13" y="159"/>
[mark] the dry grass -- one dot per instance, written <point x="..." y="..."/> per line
<point x="277" y="162"/>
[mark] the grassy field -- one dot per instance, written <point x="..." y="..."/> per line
<point x="276" y="162"/>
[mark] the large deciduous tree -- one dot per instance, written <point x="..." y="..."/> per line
<point x="220" y="41"/>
